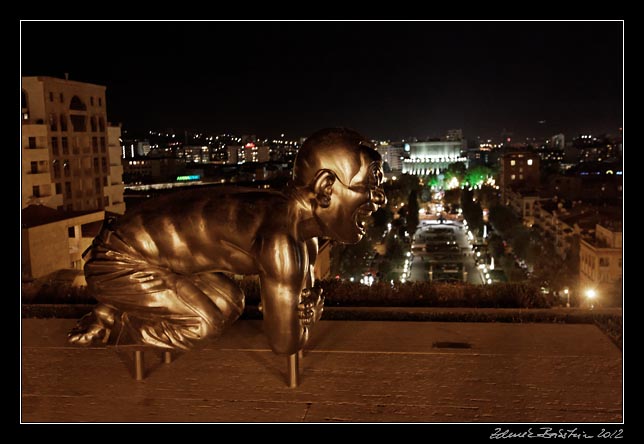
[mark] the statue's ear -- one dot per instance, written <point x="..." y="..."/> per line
<point x="323" y="187"/>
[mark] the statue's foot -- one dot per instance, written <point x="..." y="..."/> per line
<point x="88" y="331"/>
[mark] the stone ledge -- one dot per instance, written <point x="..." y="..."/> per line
<point x="441" y="314"/>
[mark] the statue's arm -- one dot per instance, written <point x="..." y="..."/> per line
<point x="284" y="273"/>
<point x="312" y="251"/>
<point x="312" y="301"/>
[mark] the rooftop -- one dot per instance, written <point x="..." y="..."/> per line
<point x="36" y="215"/>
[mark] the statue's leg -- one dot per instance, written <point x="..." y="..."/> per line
<point x="221" y="291"/>
<point x="94" y="326"/>
<point x="155" y="306"/>
<point x="185" y="311"/>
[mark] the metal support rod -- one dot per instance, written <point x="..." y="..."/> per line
<point x="138" y="364"/>
<point x="167" y="357"/>
<point x="293" y="370"/>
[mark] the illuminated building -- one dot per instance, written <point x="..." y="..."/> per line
<point x="600" y="258"/>
<point x="392" y="156"/>
<point x="250" y="152"/>
<point x="518" y="171"/>
<point x="71" y="172"/>
<point x="431" y="157"/>
<point x="70" y="153"/>
<point x="233" y="154"/>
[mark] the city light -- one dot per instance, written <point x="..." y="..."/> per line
<point x="591" y="295"/>
<point x="190" y="177"/>
<point x="453" y="183"/>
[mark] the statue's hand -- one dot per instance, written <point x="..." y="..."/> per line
<point x="311" y="306"/>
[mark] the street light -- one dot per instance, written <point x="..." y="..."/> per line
<point x="567" y="293"/>
<point x="591" y="294"/>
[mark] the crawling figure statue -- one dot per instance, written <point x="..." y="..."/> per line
<point x="160" y="271"/>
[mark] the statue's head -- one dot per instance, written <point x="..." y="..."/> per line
<point x="344" y="173"/>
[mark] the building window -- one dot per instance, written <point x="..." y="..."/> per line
<point x="51" y="96"/>
<point x="36" y="190"/>
<point x="521" y="170"/>
<point x="104" y="164"/>
<point x="65" y="143"/>
<point x="520" y="176"/>
<point x="513" y="162"/>
<point x="68" y="190"/>
<point x="92" y="123"/>
<point x="104" y="181"/>
<point x="77" y="104"/>
<point x="56" y="165"/>
<point x="106" y="201"/>
<point x="91" y="101"/>
<point x="66" y="168"/>
<point x="101" y="124"/>
<point x="54" y="145"/>
<point x="97" y="184"/>
<point x="53" y="122"/>
<point x="94" y="145"/>
<point x="514" y="176"/>
<point x="63" y="122"/>
<point x="34" y="167"/>
<point x="96" y="164"/>
<point x="529" y="161"/>
<point x="62" y="98"/>
<point x="32" y="143"/>
<point x="102" y="144"/>
<point x="79" y="123"/>
<point x="100" y="101"/>
<point x="604" y="262"/>
<point x="59" y="190"/>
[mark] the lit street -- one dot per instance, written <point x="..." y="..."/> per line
<point x="417" y="271"/>
<point x="447" y="261"/>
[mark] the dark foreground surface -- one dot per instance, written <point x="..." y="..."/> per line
<point x="354" y="371"/>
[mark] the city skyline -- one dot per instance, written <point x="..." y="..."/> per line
<point x="389" y="80"/>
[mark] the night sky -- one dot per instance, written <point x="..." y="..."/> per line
<point x="389" y="80"/>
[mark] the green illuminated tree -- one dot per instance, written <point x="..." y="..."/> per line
<point x="432" y="181"/>
<point x="476" y="175"/>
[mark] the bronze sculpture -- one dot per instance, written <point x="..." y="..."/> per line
<point x="159" y="272"/>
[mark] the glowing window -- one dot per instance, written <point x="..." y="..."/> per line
<point x="529" y="161"/>
<point x="513" y="162"/>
